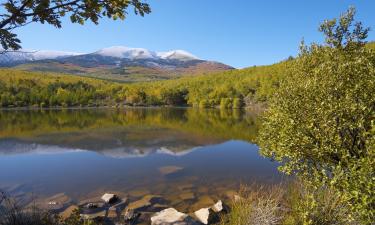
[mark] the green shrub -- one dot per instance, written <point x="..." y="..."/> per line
<point x="320" y="123"/>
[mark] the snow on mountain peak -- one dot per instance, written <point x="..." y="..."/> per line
<point x="177" y="54"/>
<point x="43" y="54"/>
<point x="121" y="52"/>
<point x="126" y="52"/>
<point x="141" y="53"/>
<point x="32" y="55"/>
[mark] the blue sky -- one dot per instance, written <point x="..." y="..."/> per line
<point x="240" y="33"/>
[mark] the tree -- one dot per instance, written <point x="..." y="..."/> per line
<point x="320" y="122"/>
<point x="18" y="13"/>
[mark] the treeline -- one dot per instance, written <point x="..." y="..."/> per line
<point x="230" y="89"/>
<point x="21" y="88"/>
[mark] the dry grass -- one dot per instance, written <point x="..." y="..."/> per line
<point x="291" y="204"/>
<point x="256" y="205"/>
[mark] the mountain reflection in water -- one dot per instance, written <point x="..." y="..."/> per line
<point x="85" y="152"/>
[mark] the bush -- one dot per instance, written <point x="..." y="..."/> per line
<point x="320" y="123"/>
<point x="322" y="206"/>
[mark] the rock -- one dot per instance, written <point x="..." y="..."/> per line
<point x="121" y="204"/>
<point x="112" y="213"/>
<point x="109" y="198"/>
<point x="171" y="216"/>
<point x="144" y="203"/>
<point x="207" y="216"/>
<point x="140" y="204"/>
<point x="211" y="214"/>
<point x="129" y="215"/>
<point x="218" y="207"/>
<point x="68" y="211"/>
<point x="167" y="170"/>
<point x="93" y="205"/>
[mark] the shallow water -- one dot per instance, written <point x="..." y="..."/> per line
<point x="185" y="155"/>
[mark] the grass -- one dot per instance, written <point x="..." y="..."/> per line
<point x="289" y="204"/>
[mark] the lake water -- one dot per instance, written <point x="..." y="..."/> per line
<point x="182" y="154"/>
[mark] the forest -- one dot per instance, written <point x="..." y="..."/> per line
<point x="230" y="89"/>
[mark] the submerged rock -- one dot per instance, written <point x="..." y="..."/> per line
<point x="167" y="170"/>
<point x="55" y="203"/>
<point x="187" y="196"/>
<point x="144" y="203"/>
<point x="203" y="201"/>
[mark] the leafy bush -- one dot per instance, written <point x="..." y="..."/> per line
<point x="320" y="123"/>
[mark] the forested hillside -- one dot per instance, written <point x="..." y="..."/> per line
<point x="230" y="89"/>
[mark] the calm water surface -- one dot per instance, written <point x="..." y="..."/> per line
<point x="133" y="152"/>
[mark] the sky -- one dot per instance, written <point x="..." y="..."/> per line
<point x="240" y="33"/>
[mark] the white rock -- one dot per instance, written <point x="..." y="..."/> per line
<point x="107" y="197"/>
<point x="203" y="215"/>
<point x="168" y="217"/>
<point x="218" y="207"/>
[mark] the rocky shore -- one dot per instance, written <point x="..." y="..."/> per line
<point x="111" y="208"/>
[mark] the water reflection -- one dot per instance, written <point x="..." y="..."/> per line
<point x="172" y="152"/>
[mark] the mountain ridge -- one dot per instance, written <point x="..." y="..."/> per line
<point x="116" y="63"/>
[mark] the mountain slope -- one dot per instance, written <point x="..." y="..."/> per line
<point x="116" y="63"/>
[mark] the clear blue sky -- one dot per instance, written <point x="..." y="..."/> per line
<point x="240" y="33"/>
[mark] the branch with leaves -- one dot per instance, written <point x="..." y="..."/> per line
<point x="18" y="13"/>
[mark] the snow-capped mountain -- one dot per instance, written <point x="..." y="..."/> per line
<point x="123" y="52"/>
<point x="122" y="63"/>
<point x="24" y="56"/>
<point x="120" y="52"/>
<point x="142" y="53"/>
<point x="177" y="54"/>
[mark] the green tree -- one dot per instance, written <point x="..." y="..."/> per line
<point x="320" y="122"/>
<point x="18" y="13"/>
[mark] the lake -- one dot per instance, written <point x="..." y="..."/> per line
<point x="182" y="154"/>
